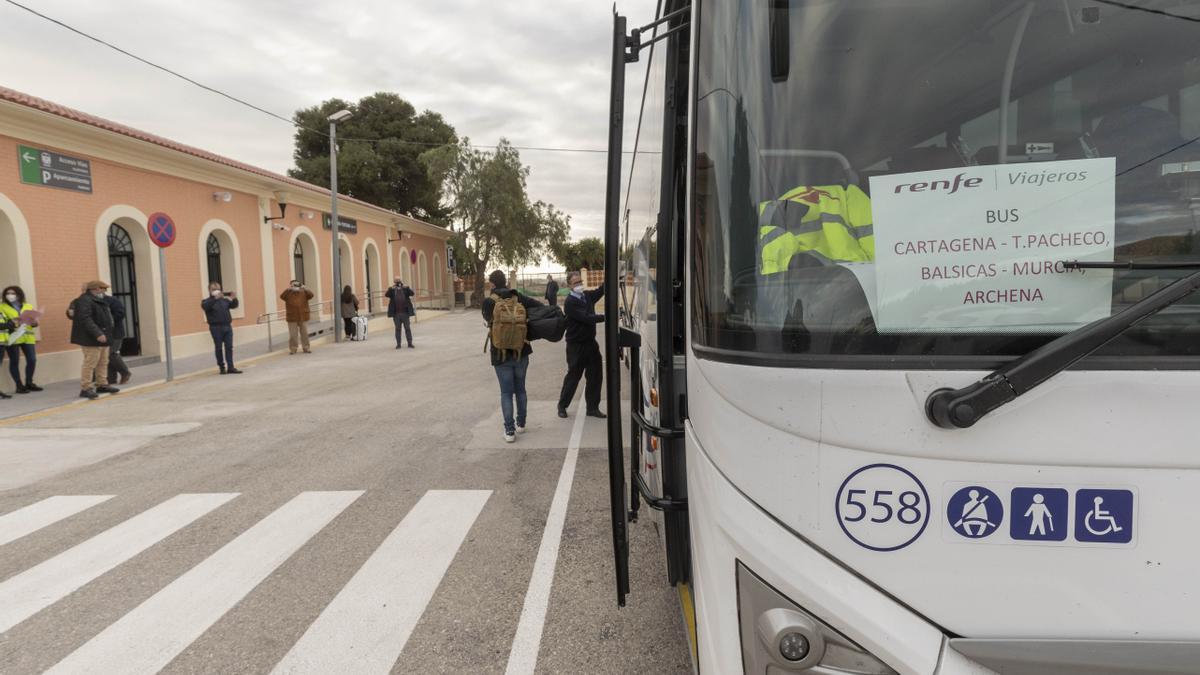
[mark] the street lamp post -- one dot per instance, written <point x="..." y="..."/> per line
<point x="335" y="224"/>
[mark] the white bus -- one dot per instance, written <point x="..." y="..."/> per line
<point x="905" y="292"/>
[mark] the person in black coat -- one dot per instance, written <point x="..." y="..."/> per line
<point x="220" y="325"/>
<point x="401" y="309"/>
<point x="116" y="362"/>
<point x="583" y="352"/>
<point x="92" y="329"/>
<point x="551" y="291"/>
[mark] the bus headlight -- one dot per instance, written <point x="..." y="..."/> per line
<point x="784" y="638"/>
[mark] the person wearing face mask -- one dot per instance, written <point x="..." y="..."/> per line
<point x="220" y="325"/>
<point x="583" y="352"/>
<point x="92" y="330"/>
<point x="401" y="309"/>
<point x="295" y="302"/>
<point x="19" y="336"/>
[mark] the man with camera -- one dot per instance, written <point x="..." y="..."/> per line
<point x="220" y="325"/>
<point x="401" y="309"/>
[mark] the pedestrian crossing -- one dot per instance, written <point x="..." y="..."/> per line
<point x="363" y="629"/>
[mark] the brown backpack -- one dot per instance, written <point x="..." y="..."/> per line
<point x="509" y="324"/>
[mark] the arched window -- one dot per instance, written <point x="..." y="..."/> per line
<point x="124" y="285"/>
<point x="214" y="259"/>
<point x="437" y="273"/>
<point x="298" y="262"/>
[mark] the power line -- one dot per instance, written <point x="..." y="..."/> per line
<point x="264" y="111"/>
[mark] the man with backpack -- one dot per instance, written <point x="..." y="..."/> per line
<point x="505" y="313"/>
<point x="583" y="352"/>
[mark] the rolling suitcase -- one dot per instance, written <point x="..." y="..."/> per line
<point x="360" y="328"/>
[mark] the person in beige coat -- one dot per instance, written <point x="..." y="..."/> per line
<point x="295" y="301"/>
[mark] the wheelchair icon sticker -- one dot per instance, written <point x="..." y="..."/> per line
<point x="1104" y="516"/>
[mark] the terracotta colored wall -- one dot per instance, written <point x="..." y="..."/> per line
<point x="63" y="229"/>
<point x="63" y="225"/>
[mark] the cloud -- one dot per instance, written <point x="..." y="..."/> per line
<point x="535" y="73"/>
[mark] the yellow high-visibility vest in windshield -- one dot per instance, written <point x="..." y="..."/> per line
<point x="829" y="222"/>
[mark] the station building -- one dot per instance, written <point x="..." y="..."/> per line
<point x="75" y="194"/>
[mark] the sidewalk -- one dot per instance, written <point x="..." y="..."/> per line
<point x="66" y="392"/>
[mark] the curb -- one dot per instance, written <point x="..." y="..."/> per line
<point x="155" y="384"/>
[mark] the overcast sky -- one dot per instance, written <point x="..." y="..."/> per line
<point x="536" y="73"/>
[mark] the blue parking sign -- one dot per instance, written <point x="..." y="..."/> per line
<point x="1038" y="514"/>
<point x="1104" y="516"/>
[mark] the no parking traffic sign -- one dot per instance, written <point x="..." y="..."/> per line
<point x="161" y="229"/>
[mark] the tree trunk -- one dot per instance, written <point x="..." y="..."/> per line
<point x="480" y="273"/>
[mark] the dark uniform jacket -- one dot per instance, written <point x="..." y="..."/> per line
<point x="582" y="317"/>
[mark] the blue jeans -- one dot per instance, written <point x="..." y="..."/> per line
<point x="511" y="374"/>
<point x="14" y="366"/>
<point x="222" y="335"/>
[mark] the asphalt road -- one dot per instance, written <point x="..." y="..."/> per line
<point x="351" y="511"/>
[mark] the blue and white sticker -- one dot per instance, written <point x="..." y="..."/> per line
<point x="882" y="507"/>
<point x="1046" y="515"/>
<point x="1039" y="514"/>
<point x="975" y="512"/>
<point x="1104" y="516"/>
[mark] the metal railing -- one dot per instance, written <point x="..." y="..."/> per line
<point x="315" y="309"/>
<point x="374" y="305"/>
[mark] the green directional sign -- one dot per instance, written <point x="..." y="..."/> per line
<point x="51" y="169"/>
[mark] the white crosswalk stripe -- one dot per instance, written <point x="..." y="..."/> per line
<point x="33" y="590"/>
<point x="149" y="637"/>
<point x="34" y="517"/>
<point x="364" y="629"/>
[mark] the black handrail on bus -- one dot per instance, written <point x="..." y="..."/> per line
<point x="612" y="336"/>
<point x="653" y="429"/>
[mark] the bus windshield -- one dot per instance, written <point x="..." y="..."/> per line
<point x="905" y="180"/>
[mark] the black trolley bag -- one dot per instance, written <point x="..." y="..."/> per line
<point x="546" y="322"/>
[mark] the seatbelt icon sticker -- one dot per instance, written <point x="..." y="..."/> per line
<point x="974" y="512"/>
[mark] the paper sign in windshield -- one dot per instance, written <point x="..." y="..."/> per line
<point x="981" y="248"/>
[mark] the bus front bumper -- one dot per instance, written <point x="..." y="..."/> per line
<point x="730" y="533"/>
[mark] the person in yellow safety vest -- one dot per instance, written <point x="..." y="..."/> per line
<point x="829" y="222"/>
<point x="12" y="305"/>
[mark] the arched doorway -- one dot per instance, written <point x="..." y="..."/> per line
<point x="346" y="266"/>
<point x="298" y="263"/>
<point x="371" y="272"/>
<point x="213" y="250"/>
<point x="124" y="286"/>
<point x="422" y="274"/>
<point x="405" y="272"/>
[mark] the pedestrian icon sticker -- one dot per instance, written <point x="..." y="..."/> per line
<point x="1038" y="514"/>
<point x="975" y="512"/>
<point x="1104" y="516"/>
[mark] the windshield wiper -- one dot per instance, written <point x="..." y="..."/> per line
<point x="961" y="408"/>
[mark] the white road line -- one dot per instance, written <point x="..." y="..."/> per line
<point x="524" y="653"/>
<point x="37" y="588"/>
<point x="34" y="517"/>
<point x="364" y="629"/>
<point x="156" y="631"/>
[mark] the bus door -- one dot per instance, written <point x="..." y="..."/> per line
<point x="644" y="299"/>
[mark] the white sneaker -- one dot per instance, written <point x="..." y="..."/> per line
<point x="520" y="428"/>
<point x="509" y="438"/>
